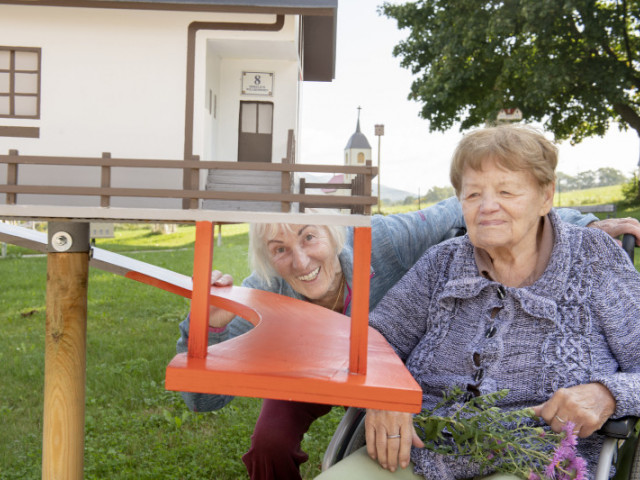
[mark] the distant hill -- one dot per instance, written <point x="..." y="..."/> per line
<point x="387" y="193"/>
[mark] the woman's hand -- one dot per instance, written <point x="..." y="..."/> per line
<point x="389" y="438"/>
<point x="587" y="406"/>
<point x="219" y="318"/>
<point x="619" y="226"/>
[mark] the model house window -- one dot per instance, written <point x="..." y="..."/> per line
<point x="19" y="82"/>
<point x="257" y="117"/>
<point x="360" y="157"/>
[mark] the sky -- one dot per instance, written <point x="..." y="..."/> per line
<point x="411" y="158"/>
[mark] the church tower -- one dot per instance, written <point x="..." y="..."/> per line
<point x="358" y="150"/>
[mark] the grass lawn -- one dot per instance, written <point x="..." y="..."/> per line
<point x="135" y="429"/>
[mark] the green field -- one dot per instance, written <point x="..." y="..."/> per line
<point x="135" y="429"/>
<point x="591" y="196"/>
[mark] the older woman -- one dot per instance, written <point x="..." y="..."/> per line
<point x="315" y="263"/>
<point x="524" y="301"/>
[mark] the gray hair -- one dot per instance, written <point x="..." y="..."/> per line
<point x="514" y="147"/>
<point x="260" y="233"/>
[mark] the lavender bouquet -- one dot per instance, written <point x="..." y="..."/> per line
<point x="500" y="441"/>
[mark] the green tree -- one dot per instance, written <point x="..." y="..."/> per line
<point x="572" y="64"/>
<point x="630" y="191"/>
<point x="409" y="200"/>
<point x="435" y="194"/>
<point x="564" y="182"/>
<point x="610" y="176"/>
<point x="586" y="179"/>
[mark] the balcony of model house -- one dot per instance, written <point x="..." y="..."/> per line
<point x="229" y="186"/>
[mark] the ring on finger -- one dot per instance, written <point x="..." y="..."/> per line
<point x="393" y="436"/>
<point x="561" y="420"/>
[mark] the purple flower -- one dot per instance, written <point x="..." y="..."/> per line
<point x="565" y="464"/>
<point x="550" y="470"/>
<point x="578" y="466"/>
<point x="533" y="476"/>
<point x="570" y="437"/>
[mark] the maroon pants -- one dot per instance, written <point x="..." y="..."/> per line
<point x="275" y="452"/>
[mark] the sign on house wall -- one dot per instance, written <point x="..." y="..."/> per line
<point x="257" y="83"/>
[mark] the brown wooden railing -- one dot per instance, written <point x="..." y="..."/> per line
<point x="358" y="186"/>
<point x="359" y="200"/>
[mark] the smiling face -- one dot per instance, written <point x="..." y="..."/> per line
<point x="502" y="208"/>
<point x="306" y="259"/>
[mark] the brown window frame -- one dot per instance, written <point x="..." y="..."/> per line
<point x="12" y="72"/>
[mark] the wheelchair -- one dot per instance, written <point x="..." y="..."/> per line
<point x="621" y="448"/>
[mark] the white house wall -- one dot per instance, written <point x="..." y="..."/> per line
<point x="209" y="107"/>
<point x="114" y="81"/>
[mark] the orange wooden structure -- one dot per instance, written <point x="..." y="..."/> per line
<point x="298" y="350"/>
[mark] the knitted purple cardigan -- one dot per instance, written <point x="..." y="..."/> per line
<point x="578" y="323"/>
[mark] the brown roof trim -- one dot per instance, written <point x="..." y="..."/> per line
<point x="178" y="6"/>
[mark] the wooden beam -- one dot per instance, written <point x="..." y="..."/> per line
<point x="360" y="306"/>
<point x="199" y="317"/>
<point x="168" y="215"/>
<point x="65" y="358"/>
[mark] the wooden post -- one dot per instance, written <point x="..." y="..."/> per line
<point x="367" y="189"/>
<point x="65" y="351"/>
<point x="285" y="187"/>
<point x="195" y="184"/>
<point x="359" y="336"/>
<point x="12" y="178"/>
<point x="105" y="181"/>
<point x="303" y="189"/>
<point x="199" y="316"/>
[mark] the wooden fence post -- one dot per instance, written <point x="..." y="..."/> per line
<point x="303" y="189"/>
<point x="194" y="183"/>
<point x="359" y="336"/>
<point x="199" y="316"/>
<point x="65" y="351"/>
<point x="366" y="209"/>
<point x="12" y="178"/>
<point x="105" y="181"/>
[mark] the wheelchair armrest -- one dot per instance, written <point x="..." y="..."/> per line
<point x="619" y="428"/>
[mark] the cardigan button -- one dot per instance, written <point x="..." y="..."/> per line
<point x="491" y="331"/>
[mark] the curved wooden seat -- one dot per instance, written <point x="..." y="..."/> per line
<point x="297" y="351"/>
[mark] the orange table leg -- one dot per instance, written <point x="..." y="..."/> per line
<point x="199" y="317"/>
<point x="360" y="305"/>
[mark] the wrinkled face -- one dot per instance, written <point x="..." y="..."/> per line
<point x="502" y="208"/>
<point x="306" y="259"/>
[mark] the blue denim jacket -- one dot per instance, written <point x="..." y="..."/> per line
<point x="397" y="242"/>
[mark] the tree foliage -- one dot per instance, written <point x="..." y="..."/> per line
<point x="572" y="64"/>
<point x="435" y="194"/>
<point x="602" y="177"/>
